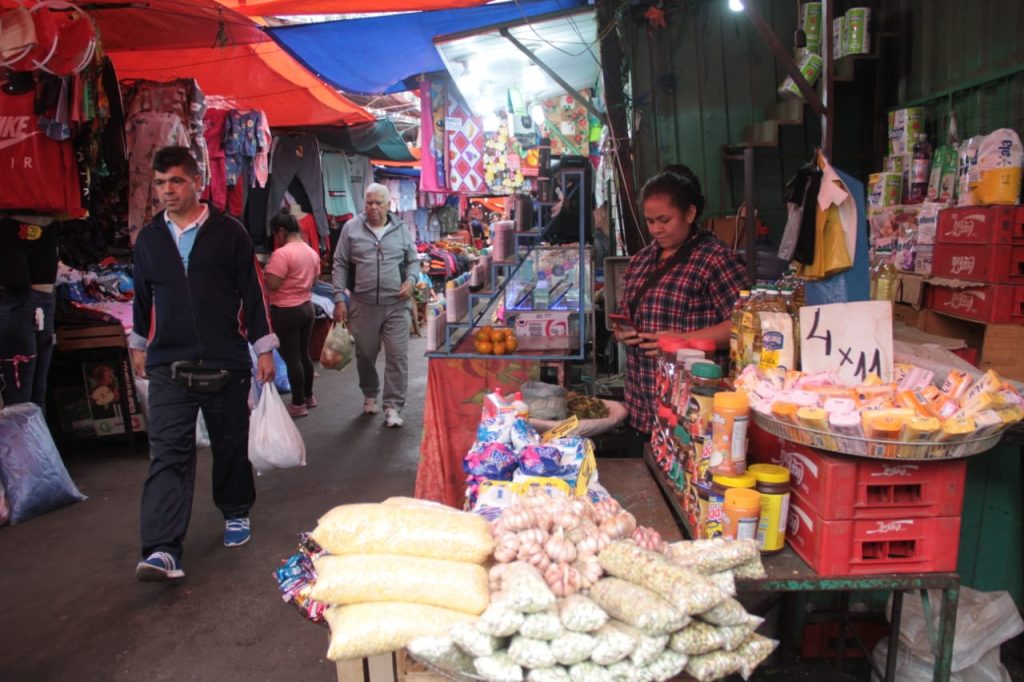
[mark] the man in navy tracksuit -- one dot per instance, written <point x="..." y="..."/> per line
<point x="198" y="304"/>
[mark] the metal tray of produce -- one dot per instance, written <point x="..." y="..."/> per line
<point x="876" y="449"/>
<point x="457" y="676"/>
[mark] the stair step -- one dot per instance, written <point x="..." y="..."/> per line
<point x="788" y="112"/>
<point x="762" y="134"/>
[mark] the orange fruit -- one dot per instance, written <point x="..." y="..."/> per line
<point x="498" y="335"/>
<point x="511" y="344"/>
<point x="486" y="334"/>
<point x="500" y="348"/>
<point x="484" y="347"/>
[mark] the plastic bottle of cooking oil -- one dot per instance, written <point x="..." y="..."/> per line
<point x="771" y="302"/>
<point x="735" y="333"/>
<point x="883" y="278"/>
<point x="750" y="328"/>
<point x="788" y="299"/>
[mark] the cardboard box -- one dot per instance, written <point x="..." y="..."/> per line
<point x="546" y="330"/>
<point x="998" y="345"/>
<point x="910" y="289"/>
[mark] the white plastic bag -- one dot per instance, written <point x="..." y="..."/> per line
<point x="984" y="620"/>
<point x="142" y="392"/>
<point x="274" y="440"/>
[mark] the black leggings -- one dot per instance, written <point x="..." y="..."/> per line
<point x="293" y="327"/>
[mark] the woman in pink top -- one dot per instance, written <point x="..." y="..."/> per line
<point x="290" y="275"/>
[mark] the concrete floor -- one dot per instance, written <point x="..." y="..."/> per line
<point x="71" y="608"/>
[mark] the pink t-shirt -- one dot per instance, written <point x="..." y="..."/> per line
<point x="298" y="265"/>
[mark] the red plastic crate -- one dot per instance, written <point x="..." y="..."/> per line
<point x="992" y="303"/>
<point x="821" y="640"/>
<point x="1000" y="264"/>
<point x="837" y="487"/>
<point x="981" y="225"/>
<point x="871" y="546"/>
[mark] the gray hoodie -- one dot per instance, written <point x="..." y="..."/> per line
<point x="379" y="265"/>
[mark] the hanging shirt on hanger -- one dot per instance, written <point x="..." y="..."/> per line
<point x="338" y="193"/>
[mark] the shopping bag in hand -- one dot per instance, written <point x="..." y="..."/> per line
<point x="339" y="348"/>
<point x="274" y="440"/>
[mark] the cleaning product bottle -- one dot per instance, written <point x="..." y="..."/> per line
<point x="520" y="406"/>
<point x="920" y="170"/>
<point x="734" y="333"/>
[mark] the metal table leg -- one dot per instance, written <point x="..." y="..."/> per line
<point x="844" y="626"/>
<point x="947" y="633"/>
<point x="894" y="636"/>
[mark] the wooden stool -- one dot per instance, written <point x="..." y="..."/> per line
<point x="396" y="667"/>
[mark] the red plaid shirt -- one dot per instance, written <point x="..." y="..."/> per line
<point x="693" y="296"/>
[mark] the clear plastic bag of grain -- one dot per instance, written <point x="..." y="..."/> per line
<point x="589" y="672"/>
<point x="498" y="668"/>
<point x="713" y="665"/>
<point x="686" y="590"/>
<point x="752" y="570"/>
<point x="441" y="652"/>
<point x="542" y="625"/>
<point x="573" y="647"/>
<point x="500" y="620"/>
<point x="627" y="671"/>
<point x="726" y="581"/>
<point x="525" y="589"/>
<point x="667" y="665"/>
<point x="580" y="614"/>
<point x="730" y="612"/>
<point x="753" y="652"/>
<point x="696" y="638"/>
<point x="733" y="636"/>
<point x="637" y="606"/>
<point x="474" y="642"/>
<point x="713" y="555"/>
<point x="648" y="648"/>
<point x="555" y="673"/>
<point x="420" y="531"/>
<point x="612" y="644"/>
<point x="361" y="630"/>
<point x="531" y="653"/>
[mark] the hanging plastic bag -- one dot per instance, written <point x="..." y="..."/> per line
<point x="202" y="434"/>
<point x="142" y="393"/>
<point x="31" y="469"/>
<point x="339" y="348"/>
<point x="274" y="440"/>
<point x="281" y="374"/>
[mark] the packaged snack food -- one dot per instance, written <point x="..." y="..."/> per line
<point x="525" y="589"/>
<point x="572" y="647"/>
<point x="1000" y="157"/>
<point x="637" y="606"/>
<point x="361" y="630"/>
<point x="442" y="652"/>
<point x="555" y="673"/>
<point x="531" y="653"/>
<point x="499" y="620"/>
<point x="686" y="590"/>
<point x="498" y="668"/>
<point x="612" y="644"/>
<point x="666" y="666"/>
<point x="589" y="672"/>
<point x="472" y="641"/>
<point x="542" y="625"/>
<point x="580" y="614"/>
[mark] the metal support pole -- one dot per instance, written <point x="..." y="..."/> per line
<point x="749" y="190"/>
<point x="894" y="636"/>
<point x="947" y="633"/>
<point x="828" y="79"/>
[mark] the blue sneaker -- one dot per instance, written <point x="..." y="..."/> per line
<point x="159" y="567"/>
<point x="236" y="532"/>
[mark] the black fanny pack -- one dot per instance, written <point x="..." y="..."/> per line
<point x="198" y="378"/>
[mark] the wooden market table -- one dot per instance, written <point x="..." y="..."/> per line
<point x="787" y="572"/>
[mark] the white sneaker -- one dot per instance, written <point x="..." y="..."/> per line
<point x="370" y="406"/>
<point x="392" y="418"/>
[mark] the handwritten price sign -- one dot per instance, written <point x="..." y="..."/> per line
<point x="852" y="339"/>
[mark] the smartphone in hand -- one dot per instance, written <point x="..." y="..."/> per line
<point x="622" y="321"/>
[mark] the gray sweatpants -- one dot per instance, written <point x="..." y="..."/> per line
<point x="370" y="325"/>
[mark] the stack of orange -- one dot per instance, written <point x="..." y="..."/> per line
<point x="491" y="341"/>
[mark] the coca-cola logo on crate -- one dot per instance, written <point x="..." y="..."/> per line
<point x="891" y="526"/>
<point x="960" y="265"/>
<point x="964" y="227"/>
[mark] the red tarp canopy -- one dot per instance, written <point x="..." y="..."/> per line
<point x="266" y="8"/>
<point x="229" y="55"/>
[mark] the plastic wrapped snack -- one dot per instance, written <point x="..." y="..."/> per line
<point x="361" y="630"/>
<point x="696" y="638"/>
<point x="730" y="612"/>
<point x="555" y="673"/>
<point x="442" y="652"/>
<point x="525" y="589"/>
<point x="495" y="461"/>
<point x="713" y="556"/>
<point x="687" y="591"/>
<point x="500" y="620"/>
<point x="357" y="578"/>
<point x="726" y="581"/>
<point x="542" y="625"/>
<point x="714" y="665"/>
<point x="752" y="570"/>
<point x="732" y="636"/>
<point x="627" y="671"/>
<point x="573" y="647"/>
<point x="637" y="606"/>
<point x="498" y="668"/>
<point x="589" y="672"/>
<point x="666" y="666"/>
<point x="531" y="653"/>
<point x="753" y="652"/>
<point x="612" y="644"/>
<point x="409" y="531"/>
<point x="472" y="641"/>
<point x="580" y="614"/>
<point x="648" y="648"/>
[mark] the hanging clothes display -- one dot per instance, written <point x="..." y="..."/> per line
<point x="216" y="190"/>
<point x="296" y="156"/>
<point x="148" y="132"/>
<point x="360" y="172"/>
<point x="39" y="173"/>
<point x="338" y="195"/>
<point x="465" y="150"/>
<point x="181" y="97"/>
<point x="835" y="225"/>
<point x="433" y="107"/>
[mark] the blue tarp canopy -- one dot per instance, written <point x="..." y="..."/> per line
<point x="384" y="54"/>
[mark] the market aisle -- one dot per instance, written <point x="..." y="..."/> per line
<point x="72" y="609"/>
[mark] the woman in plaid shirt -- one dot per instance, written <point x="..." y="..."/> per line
<point x="691" y="298"/>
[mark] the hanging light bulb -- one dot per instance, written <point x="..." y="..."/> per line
<point x="736" y="5"/>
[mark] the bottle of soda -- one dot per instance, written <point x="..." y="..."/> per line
<point x="920" y="170"/>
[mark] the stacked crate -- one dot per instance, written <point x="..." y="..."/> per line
<point x="858" y="516"/>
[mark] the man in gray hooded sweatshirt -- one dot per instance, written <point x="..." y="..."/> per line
<point x="376" y="262"/>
